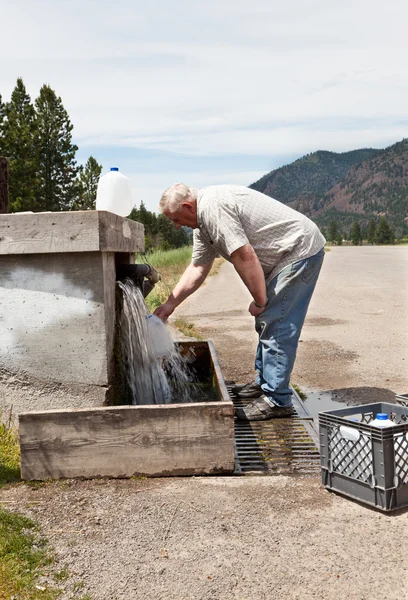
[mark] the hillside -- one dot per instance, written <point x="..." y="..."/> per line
<point x="303" y="183"/>
<point x="361" y="184"/>
<point x="377" y="186"/>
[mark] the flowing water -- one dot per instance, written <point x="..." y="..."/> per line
<point x="151" y="379"/>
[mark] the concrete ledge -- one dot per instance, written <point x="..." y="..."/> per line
<point x="76" y="231"/>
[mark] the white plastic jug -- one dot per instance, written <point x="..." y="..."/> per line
<point x="381" y="420"/>
<point x="114" y="193"/>
<point x="160" y="337"/>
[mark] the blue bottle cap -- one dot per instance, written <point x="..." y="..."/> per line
<point x="381" y="416"/>
<point x="114" y="169"/>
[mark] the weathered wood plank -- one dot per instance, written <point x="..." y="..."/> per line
<point x="176" y="439"/>
<point x="3" y="185"/>
<point x="77" y="231"/>
<point x="117" y="234"/>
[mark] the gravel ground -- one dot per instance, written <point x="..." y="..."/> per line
<point x="251" y="538"/>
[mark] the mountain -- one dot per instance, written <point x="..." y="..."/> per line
<point x="304" y="182"/>
<point x="356" y="185"/>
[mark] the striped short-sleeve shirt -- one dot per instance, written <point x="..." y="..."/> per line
<point x="230" y="217"/>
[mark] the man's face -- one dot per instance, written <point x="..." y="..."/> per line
<point x="186" y="215"/>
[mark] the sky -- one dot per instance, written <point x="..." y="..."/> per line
<point x="214" y="92"/>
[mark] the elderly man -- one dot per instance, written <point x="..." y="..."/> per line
<point x="278" y="254"/>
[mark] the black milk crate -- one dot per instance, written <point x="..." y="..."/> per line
<point x="402" y="399"/>
<point x="366" y="463"/>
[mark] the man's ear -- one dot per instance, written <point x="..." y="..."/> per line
<point x="188" y="205"/>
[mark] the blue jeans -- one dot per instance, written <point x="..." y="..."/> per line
<point x="280" y="324"/>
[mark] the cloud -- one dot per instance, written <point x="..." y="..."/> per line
<point x="261" y="79"/>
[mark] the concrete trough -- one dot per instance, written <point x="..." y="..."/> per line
<point x="58" y="308"/>
<point x="123" y="441"/>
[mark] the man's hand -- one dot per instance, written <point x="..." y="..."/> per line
<point x="255" y="310"/>
<point x="164" y="311"/>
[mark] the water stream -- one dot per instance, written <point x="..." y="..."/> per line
<point x="147" y="378"/>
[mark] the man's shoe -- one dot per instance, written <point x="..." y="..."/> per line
<point x="249" y="390"/>
<point x="261" y="410"/>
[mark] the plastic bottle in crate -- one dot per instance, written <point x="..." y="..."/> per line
<point x="381" y="420"/>
<point x="350" y="465"/>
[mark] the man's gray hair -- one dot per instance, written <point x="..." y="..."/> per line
<point x="175" y="195"/>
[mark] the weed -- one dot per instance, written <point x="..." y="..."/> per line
<point x="188" y="329"/>
<point x="61" y="575"/>
<point x="78" y="586"/>
<point x="35" y="485"/>
<point x="299" y="392"/>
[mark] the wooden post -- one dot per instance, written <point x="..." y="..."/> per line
<point x="3" y="185"/>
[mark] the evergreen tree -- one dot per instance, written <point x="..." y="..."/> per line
<point x="87" y="185"/>
<point x="134" y="215"/>
<point x="339" y="240"/>
<point x="2" y="116"/>
<point x="392" y="236"/>
<point x="371" y="232"/>
<point x="332" y="231"/>
<point x="18" y="131"/>
<point x="384" y="234"/>
<point x="356" y="234"/>
<point x="58" y="168"/>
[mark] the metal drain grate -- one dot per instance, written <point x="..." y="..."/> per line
<point x="277" y="446"/>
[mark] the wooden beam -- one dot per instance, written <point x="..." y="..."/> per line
<point x="3" y="185"/>
<point x="122" y="441"/>
<point x="75" y="231"/>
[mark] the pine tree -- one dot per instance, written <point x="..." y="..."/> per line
<point x="58" y="170"/>
<point x="384" y="234"/>
<point x="333" y="231"/>
<point x="371" y="232"/>
<point x="18" y="131"/>
<point x="2" y="116"/>
<point x="356" y="234"/>
<point x="87" y="185"/>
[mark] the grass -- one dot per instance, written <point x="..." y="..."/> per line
<point x="9" y="456"/>
<point x="170" y="264"/>
<point x="23" y="559"/>
<point x="23" y="555"/>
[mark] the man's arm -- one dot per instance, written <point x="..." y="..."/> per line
<point x="188" y="283"/>
<point x="248" y="267"/>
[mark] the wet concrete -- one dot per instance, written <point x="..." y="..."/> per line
<point x="319" y="401"/>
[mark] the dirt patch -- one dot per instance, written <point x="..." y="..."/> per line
<point x="212" y="538"/>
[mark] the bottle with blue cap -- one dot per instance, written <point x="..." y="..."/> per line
<point x="381" y="420"/>
<point x="114" y="193"/>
